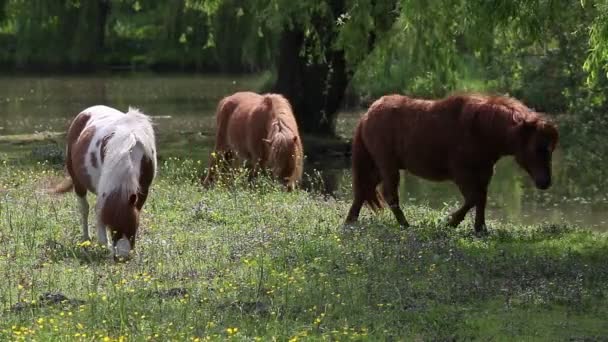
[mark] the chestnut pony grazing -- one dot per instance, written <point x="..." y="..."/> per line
<point x="111" y="154"/>
<point x="261" y="130"/>
<point x="458" y="138"/>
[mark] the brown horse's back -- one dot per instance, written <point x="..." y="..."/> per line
<point x="417" y="134"/>
<point x="240" y="124"/>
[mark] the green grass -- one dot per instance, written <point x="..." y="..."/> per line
<point x="256" y="263"/>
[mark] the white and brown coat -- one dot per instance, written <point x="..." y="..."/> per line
<point x="113" y="155"/>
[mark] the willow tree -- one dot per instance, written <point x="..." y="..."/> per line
<point x="322" y="45"/>
<point x="317" y="48"/>
<point x="57" y="33"/>
<point x="597" y="61"/>
<point x="312" y="66"/>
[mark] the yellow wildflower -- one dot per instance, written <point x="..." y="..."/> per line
<point x="86" y="243"/>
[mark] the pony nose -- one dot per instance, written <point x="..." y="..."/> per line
<point x="543" y="183"/>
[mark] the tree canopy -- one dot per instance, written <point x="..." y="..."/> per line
<point x="550" y="52"/>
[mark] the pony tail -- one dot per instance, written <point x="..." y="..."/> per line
<point x="365" y="173"/>
<point x="63" y="187"/>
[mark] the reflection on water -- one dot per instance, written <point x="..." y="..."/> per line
<point x="183" y="108"/>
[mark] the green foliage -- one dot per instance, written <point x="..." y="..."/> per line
<point x="546" y="52"/>
<point x="204" y="35"/>
<point x="597" y="61"/>
<point x="434" y="47"/>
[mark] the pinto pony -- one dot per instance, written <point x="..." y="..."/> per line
<point x="458" y="138"/>
<point x="113" y="155"/>
<point x="261" y="130"/>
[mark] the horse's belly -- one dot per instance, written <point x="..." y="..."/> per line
<point x="245" y="138"/>
<point x="430" y="165"/>
<point x="433" y="174"/>
<point x="239" y="148"/>
<point x="236" y="138"/>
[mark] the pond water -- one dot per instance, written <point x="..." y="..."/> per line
<point x="183" y="108"/>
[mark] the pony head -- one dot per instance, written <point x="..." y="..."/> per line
<point x="284" y="156"/>
<point x="120" y="214"/>
<point x="537" y="138"/>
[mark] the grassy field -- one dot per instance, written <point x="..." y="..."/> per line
<point x="255" y="263"/>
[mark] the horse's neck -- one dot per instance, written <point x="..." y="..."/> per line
<point x="497" y="135"/>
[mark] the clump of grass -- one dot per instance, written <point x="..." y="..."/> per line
<point x="252" y="262"/>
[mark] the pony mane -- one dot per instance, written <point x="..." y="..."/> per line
<point x="119" y="173"/>
<point x="281" y="110"/>
<point x="496" y="107"/>
<point x="283" y="121"/>
<point x="494" y="115"/>
<point x="521" y="114"/>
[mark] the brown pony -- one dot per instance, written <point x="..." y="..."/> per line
<point x="261" y="130"/>
<point x="458" y="138"/>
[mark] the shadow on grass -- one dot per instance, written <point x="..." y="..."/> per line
<point x="86" y="254"/>
<point x="45" y="300"/>
<point x="431" y="280"/>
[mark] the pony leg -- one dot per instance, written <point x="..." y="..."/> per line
<point x="255" y="169"/>
<point x="84" y="216"/>
<point x="480" y="214"/>
<point x="366" y="178"/>
<point x="481" y="195"/>
<point x="459" y="215"/>
<point x="355" y="209"/>
<point x="364" y="191"/>
<point x="211" y="170"/>
<point x="390" y="191"/>
<point x="252" y="170"/>
<point x="474" y="192"/>
<point x="220" y="161"/>
<point x="102" y="235"/>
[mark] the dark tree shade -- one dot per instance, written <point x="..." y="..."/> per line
<point x="315" y="90"/>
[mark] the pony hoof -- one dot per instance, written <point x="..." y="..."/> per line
<point x="482" y="231"/>
<point x="348" y="227"/>
<point x="118" y="259"/>
<point x="445" y="222"/>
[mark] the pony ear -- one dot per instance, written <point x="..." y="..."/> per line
<point x="525" y="129"/>
<point x="549" y="129"/>
<point x="132" y="199"/>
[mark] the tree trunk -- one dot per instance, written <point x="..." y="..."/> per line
<point x="88" y="33"/>
<point x="104" y="11"/>
<point x="315" y="90"/>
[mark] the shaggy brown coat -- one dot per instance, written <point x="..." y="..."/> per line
<point x="259" y="129"/>
<point x="458" y="138"/>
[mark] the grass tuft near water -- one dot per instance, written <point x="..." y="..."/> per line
<point x="255" y="263"/>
